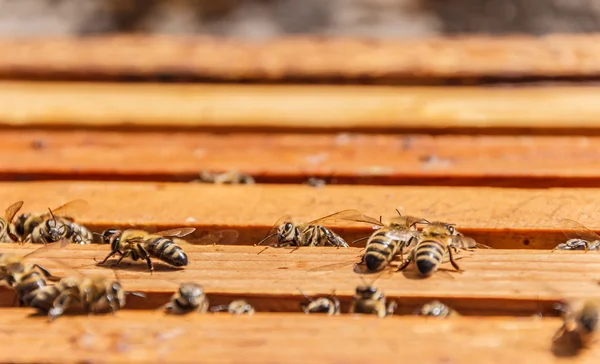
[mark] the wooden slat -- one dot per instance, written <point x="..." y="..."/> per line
<point x="500" y="217"/>
<point x="304" y="59"/>
<point x="527" y="161"/>
<point x="26" y="104"/>
<point x="144" y="337"/>
<point x="494" y="282"/>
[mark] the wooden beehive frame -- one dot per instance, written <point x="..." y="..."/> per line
<point x="474" y="156"/>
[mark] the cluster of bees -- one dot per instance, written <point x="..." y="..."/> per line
<point x="426" y="243"/>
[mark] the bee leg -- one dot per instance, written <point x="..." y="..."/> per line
<point x="144" y="255"/>
<point x="380" y="309"/>
<point x="452" y="261"/>
<point x="560" y="332"/>
<point x="46" y="273"/>
<point x="123" y="255"/>
<point x="203" y="307"/>
<point x="60" y="304"/>
<point x="407" y="261"/>
<point x="110" y="255"/>
<point x="113" y="303"/>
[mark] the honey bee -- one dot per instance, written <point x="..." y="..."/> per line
<point x="189" y="297"/>
<point x="94" y="293"/>
<point x="580" y="237"/>
<point x="389" y="240"/>
<point x="437" y="309"/>
<point x="140" y="244"/>
<point x="231" y="177"/>
<point x="370" y="300"/>
<point x="26" y="278"/>
<point x="238" y="307"/>
<point x="329" y="305"/>
<point x="579" y="326"/>
<point x="436" y="241"/>
<point x="311" y="233"/>
<point x="44" y="228"/>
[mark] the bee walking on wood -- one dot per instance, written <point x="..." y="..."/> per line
<point x="48" y="227"/>
<point x="579" y="237"/>
<point x="579" y="327"/>
<point x="329" y="305"/>
<point x="139" y="244"/>
<point x="389" y="240"/>
<point x="370" y="300"/>
<point x="238" y="307"/>
<point x="190" y="297"/>
<point x="437" y="241"/>
<point x="308" y="234"/>
<point x="437" y="309"/>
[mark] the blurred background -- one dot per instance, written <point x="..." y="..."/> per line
<point x="262" y="19"/>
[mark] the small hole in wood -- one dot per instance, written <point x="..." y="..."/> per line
<point x="526" y="242"/>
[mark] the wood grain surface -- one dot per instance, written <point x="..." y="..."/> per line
<point x="300" y="108"/>
<point x="342" y="158"/>
<point x="494" y="282"/>
<point x="500" y="217"/>
<point x="150" y="336"/>
<point x="339" y="59"/>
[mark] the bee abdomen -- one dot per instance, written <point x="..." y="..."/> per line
<point x="43" y="298"/>
<point x="380" y="250"/>
<point x="29" y="282"/>
<point x="429" y="255"/>
<point x="167" y="251"/>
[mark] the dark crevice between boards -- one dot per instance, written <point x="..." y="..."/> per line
<point x="497" y="238"/>
<point x="526" y="182"/>
<point x="465" y="306"/>
<point x="170" y="126"/>
<point x="390" y="79"/>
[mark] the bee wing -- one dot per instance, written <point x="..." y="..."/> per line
<point x="71" y="208"/>
<point x="350" y="215"/>
<point x="466" y="242"/>
<point x="574" y="230"/>
<point x="403" y="235"/>
<point x="62" y="243"/>
<point x="222" y="237"/>
<point x="176" y="233"/>
<point x="12" y="210"/>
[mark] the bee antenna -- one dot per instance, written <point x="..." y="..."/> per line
<point x="51" y="214"/>
<point x="425" y="221"/>
<point x="398" y="211"/>
<point x="304" y="294"/>
<point x="137" y="294"/>
<point x="266" y="238"/>
<point x="357" y="240"/>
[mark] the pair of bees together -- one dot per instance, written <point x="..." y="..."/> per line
<point x="436" y="241"/>
<point x="44" y="228"/>
<point x="30" y="281"/>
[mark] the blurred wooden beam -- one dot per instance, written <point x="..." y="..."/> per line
<point x="142" y="337"/>
<point x="420" y="60"/>
<point x="343" y="158"/>
<point x="299" y="108"/>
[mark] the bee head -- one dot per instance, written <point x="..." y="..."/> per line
<point x="112" y="236"/>
<point x="438" y="228"/>
<point x="588" y="319"/>
<point x="55" y="229"/>
<point x="191" y="291"/>
<point x="366" y="291"/>
<point x="286" y="232"/>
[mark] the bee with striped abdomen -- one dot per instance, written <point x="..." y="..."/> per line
<point x="437" y="309"/>
<point x="579" y="326"/>
<point x="23" y="276"/>
<point x="190" y="297"/>
<point x="329" y="305"/>
<point x="579" y="237"/>
<point x="44" y="228"/>
<point x="237" y="307"/>
<point x="389" y="240"/>
<point x="6" y="225"/>
<point x="436" y="242"/>
<point x="312" y="233"/>
<point x="140" y="244"/>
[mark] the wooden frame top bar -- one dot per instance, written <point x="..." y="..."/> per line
<point x="302" y="58"/>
